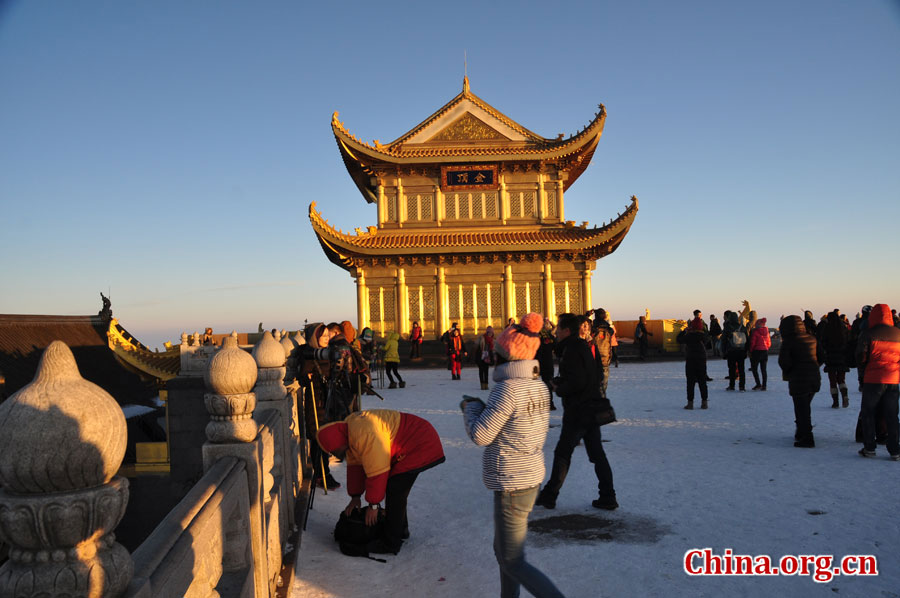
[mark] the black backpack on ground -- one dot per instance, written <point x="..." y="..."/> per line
<point x="353" y="535"/>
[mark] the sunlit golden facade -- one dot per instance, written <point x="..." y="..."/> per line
<point x="471" y="222"/>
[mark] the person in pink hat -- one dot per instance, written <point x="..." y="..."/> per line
<point x="512" y="427"/>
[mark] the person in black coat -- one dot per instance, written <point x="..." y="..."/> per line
<point x="734" y="348"/>
<point x="545" y="357"/>
<point x="694" y="339"/>
<point x="715" y="331"/>
<point x="859" y="325"/>
<point x="799" y="359"/>
<point x="577" y="385"/>
<point x="809" y="322"/>
<point x="834" y="337"/>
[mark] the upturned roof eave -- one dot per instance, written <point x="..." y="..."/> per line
<point x="339" y="246"/>
<point x="586" y="138"/>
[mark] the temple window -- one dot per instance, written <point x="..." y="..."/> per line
<point x="381" y="309"/>
<point x="475" y="307"/>
<point x="421" y="308"/>
<point x="552" y="212"/>
<point x="419" y="207"/>
<point x="568" y="298"/>
<point x="522" y="204"/>
<point x="476" y="205"/>
<point x="528" y="298"/>
<point x="391" y="201"/>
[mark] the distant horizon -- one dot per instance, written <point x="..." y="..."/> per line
<point x="155" y="337"/>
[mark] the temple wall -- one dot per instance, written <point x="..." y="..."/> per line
<point x="472" y="295"/>
<point x="417" y="201"/>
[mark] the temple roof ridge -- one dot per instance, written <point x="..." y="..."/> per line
<point x="533" y="146"/>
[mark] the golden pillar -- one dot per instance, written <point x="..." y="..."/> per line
<point x="382" y="207"/>
<point x="509" y="294"/>
<point x="541" y="199"/>
<point x="362" y="300"/>
<point x="403" y="302"/>
<point x="549" y="293"/>
<point x="440" y="208"/>
<point x="401" y="205"/>
<point x="504" y="202"/>
<point x="586" y="289"/>
<point x="559" y="198"/>
<point x="442" y="300"/>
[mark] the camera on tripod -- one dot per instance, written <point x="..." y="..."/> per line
<point x="328" y="353"/>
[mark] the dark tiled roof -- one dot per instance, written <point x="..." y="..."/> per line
<point x="23" y="339"/>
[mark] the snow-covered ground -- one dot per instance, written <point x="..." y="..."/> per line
<point x="725" y="478"/>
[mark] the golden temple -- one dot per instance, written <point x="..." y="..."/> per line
<point x="471" y="222"/>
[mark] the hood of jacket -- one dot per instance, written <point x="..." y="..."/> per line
<point x="520" y="368"/>
<point x="394" y="336"/>
<point x="312" y="334"/>
<point x="761" y="323"/>
<point x="791" y="327"/>
<point x="333" y="436"/>
<point x="881" y="314"/>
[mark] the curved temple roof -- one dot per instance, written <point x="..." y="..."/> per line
<point x="500" y="140"/>
<point x="342" y="248"/>
<point x="130" y="351"/>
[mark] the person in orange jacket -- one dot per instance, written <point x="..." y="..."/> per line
<point x="385" y="452"/>
<point x="878" y="353"/>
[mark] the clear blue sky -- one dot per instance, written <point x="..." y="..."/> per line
<point x="168" y="151"/>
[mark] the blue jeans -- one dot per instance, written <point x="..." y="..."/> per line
<point x="511" y="511"/>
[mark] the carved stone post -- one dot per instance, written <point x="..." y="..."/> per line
<point x="230" y="377"/>
<point x="291" y="346"/>
<point x="62" y="440"/>
<point x="270" y="359"/>
<point x="272" y="395"/>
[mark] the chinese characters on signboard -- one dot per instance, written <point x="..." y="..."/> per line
<point x="459" y="178"/>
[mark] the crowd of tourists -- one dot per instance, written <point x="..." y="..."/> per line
<point x="870" y="344"/>
<point x="534" y="359"/>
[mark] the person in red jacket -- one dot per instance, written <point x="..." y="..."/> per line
<point x="415" y="340"/>
<point x="878" y="352"/>
<point x="456" y="351"/>
<point x="385" y="452"/>
<point x="759" y="353"/>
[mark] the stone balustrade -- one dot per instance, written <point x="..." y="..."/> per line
<point x="226" y="537"/>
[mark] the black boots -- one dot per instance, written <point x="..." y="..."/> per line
<point x="834" y="398"/>
<point x="804" y="440"/>
<point x="690" y="404"/>
<point x="845" y="394"/>
<point x="402" y="384"/>
<point x="704" y="404"/>
<point x="544" y="500"/>
<point x="607" y="504"/>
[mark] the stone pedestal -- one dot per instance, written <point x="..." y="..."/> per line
<point x="64" y="439"/>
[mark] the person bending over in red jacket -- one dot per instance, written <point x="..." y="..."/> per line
<point x="385" y="451"/>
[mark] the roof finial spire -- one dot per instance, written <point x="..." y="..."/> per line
<point x="465" y="73"/>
